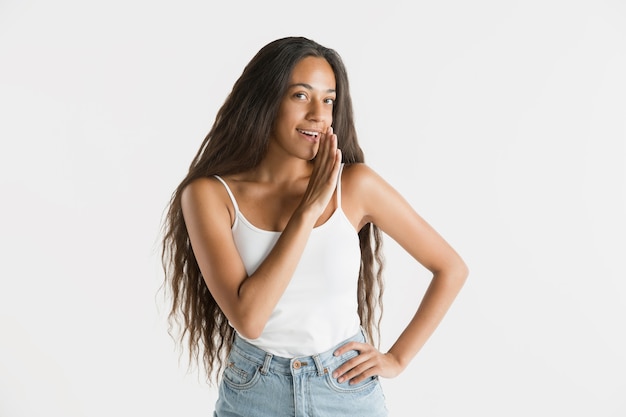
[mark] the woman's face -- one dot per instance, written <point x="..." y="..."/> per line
<point x="306" y="109"/>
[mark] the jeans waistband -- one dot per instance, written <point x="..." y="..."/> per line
<point x="320" y="363"/>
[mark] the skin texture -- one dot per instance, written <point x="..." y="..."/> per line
<point x="292" y="191"/>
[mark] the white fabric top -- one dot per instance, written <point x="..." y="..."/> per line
<point x="318" y="310"/>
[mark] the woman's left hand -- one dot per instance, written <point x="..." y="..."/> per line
<point x="369" y="362"/>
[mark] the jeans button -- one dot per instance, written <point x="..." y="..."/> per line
<point x="296" y="365"/>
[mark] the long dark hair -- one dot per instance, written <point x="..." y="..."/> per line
<point x="236" y="143"/>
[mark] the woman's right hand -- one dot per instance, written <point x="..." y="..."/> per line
<point x="323" y="180"/>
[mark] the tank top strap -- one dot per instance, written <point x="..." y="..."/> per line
<point x="230" y="193"/>
<point x="339" y="186"/>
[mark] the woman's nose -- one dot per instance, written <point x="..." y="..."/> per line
<point x="317" y="112"/>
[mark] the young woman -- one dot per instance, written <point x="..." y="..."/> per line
<point x="272" y="247"/>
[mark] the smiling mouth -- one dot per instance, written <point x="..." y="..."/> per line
<point x="310" y="133"/>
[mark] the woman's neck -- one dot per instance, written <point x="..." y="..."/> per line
<point x="281" y="169"/>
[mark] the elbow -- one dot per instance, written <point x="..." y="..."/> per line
<point x="463" y="271"/>
<point x="248" y="333"/>
<point x="249" y="327"/>
<point x="455" y="273"/>
<point x="460" y="269"/>
<point x="248" y="318"/>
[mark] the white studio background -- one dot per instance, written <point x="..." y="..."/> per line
<point x="502" y="122"/>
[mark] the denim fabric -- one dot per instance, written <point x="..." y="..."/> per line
<point x="258" y="384"/>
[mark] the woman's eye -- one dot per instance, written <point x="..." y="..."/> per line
<point x="329" y="101"/>
<point x="300" y="96"/>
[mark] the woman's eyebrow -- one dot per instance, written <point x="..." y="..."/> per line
<point x="310" y="87"/>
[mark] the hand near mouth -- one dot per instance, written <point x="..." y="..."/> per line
<point x="323" y="178"/>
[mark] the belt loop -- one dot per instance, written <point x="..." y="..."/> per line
<point x="266" y="363"/>
<point x="318" y="364"/>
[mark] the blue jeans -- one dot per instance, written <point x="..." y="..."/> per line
<point x="258" y="384"/>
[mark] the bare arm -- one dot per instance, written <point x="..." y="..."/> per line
<point x="248" y="301"/>
<point x="376" y="201"/>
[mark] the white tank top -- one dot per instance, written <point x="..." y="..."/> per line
<point x="318" y="310"/>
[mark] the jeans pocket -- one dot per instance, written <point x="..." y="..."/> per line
<point x="240" y="372"/>
<point x="363" y="387"/>
<point x="367" y="385"/>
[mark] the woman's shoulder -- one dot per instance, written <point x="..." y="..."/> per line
<point x="359" y="176"/>
<point x="356" y="170"/>
<point x="206" y="192"/>
<point x="202" y="186"/>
